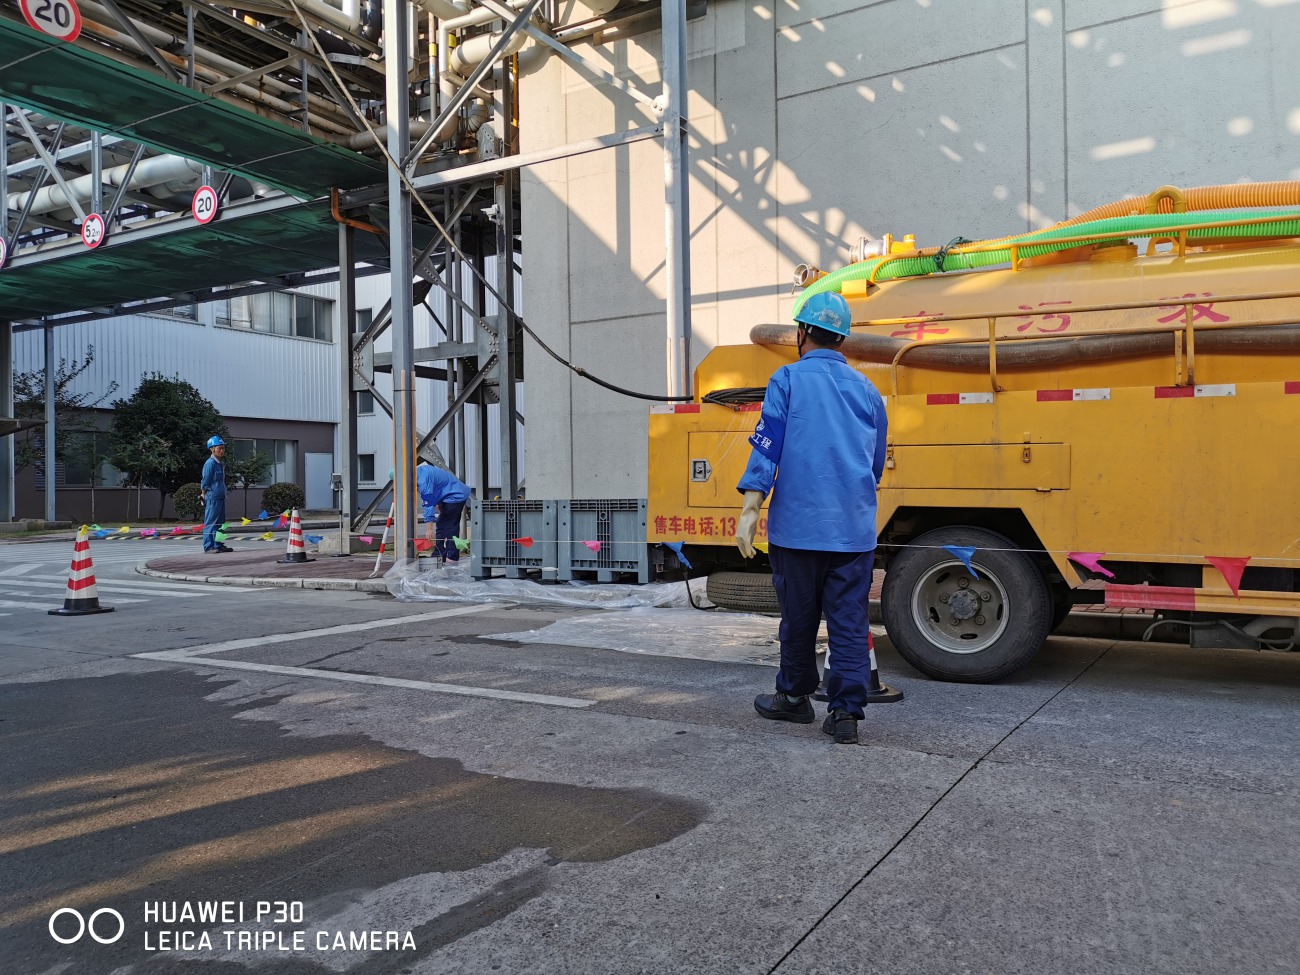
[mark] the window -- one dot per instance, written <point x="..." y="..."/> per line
<point x="188" y="312"/>
<point x="366" y="468"/>
<point x="85" y="462"/>
<point x="279" y="313"/>
<point x="283" y="455"/>
<point x="364" y="317"/>
<point x="365" y="403"/>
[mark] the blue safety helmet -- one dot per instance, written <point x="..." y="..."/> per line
<point x="215" y="442"/>
<point x="826" y="310"/>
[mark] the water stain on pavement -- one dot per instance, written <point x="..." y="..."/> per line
<point x="134" y="788"/>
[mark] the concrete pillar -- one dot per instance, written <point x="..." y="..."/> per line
<point x="51" y="469"/>
<point x="346" y="464"/>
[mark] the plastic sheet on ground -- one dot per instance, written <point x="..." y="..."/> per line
<point x="722" y="637"/>
<point x="452" y="583"/>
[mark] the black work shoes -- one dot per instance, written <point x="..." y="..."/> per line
<point x="842" y="726"/>
<point x="778" y="707"/>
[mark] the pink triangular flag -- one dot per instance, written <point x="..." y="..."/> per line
<point x="594" y="546"/>
<point x="1231" y="569"/>
<point x="148" y="532"/>
<point x="178" y="530"/>
<point x="365" y="539"/>
<point x="1089" y="560"/>
<point x="525" y="540"/>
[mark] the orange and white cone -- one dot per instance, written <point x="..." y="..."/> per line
<point x="297" y="549"/>
<point x="82" y="598"/>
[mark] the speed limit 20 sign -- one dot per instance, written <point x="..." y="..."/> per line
<point x="204" y="206"/>
<point x="93" y="230"/>
<point x="58" y="18"/>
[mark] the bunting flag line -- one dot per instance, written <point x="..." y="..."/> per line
<point x="462" y="545"/>
<point x="124" y="530"/>
<point x="286" y="512"/>
<point x="284" y="520"/>
<point x="423" y="545"/>
<point x="365" y="539"/>
<point x="314" y="539"/>
<point x="1091" y="562"/>
<point x="178" y="530"/>
<point x="244" y="521"/>
<point x="221" y="537"/>
<point x="148" y="532"/>
<point x="95" y="528"/>
<point x="268" y="537"/>
<point x="263" y="515"/>
<point x="964" y="553"/>
<point x="594" y="546"/>
<point x="1231" y="568"/>
<point x="525" y="540"/>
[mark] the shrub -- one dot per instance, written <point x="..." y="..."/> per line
<point x="186" y="502"/>
<point x="281" y="496"/>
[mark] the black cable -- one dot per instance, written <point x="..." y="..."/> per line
<point x="734" y="398"/>
<point x="941" y="254"/>
<point x="586" y="375"/>
<point x="686" y="578"/>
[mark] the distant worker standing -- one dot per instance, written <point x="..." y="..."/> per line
<point x="823" y="430"/>
<point x="212" y="491"/>
<point x="444" y="496"/>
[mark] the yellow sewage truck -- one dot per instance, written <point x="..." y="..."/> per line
<point x="1107" y="411"/>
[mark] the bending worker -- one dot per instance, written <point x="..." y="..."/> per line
<point x="823" y="431"/>
<point x="212" y="494"/>
<point x="444" y="497"/>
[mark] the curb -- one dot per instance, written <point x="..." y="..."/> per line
<point x="265" y="582"/>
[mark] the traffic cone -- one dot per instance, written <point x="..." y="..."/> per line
<point x="297" y="549"/>
<point x="877" y="692"/>
<point x="82" y="598"/>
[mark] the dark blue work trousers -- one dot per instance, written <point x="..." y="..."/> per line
<point x="214" y="514"/>
<point x="809" y="585"/>
<point x="446" y="528"/>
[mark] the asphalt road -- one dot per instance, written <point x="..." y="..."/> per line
<point x="403" y="790"/>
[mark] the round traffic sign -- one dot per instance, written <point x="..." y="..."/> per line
<point x="205" y="204"/>
<point x="58" y="18"/>
<point x="93" y="230"/>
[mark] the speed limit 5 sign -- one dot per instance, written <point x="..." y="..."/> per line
<point x="58" y="18"/>
<point x="204" y="206"/>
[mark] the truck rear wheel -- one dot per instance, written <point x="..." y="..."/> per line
<point x="746" y="592"/>
<point x="955" y="625"/>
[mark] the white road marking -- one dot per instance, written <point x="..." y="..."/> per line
<point x="167" y="586"/>
<point x="418" y="685"/>
<point x="11" y="604"/>
<point x="109" y="585"/>
<point x="18" y="570"/>
<point x="198" y="656"/>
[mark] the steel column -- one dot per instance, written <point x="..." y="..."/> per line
<point x="347" y="325"/>
<point x="400" y="251"/>
<point x="677" y="225"/>
<point x="505" y="284"/>
<point x="50" y="432"/>
<point x="7" y="501"/>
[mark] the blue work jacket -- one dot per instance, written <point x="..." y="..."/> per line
<point x="214" y="479"/>
<point x="821" y="439"/>
<point x="437" y="485"/>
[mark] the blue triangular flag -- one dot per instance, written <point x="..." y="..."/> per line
<point x="676" y="549"/>
<point x="964" y="552"/>
<point x="314" y="539"/>
<point x="263" y="516"/>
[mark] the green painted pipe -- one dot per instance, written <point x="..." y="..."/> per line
<point x="1047" y="241"/>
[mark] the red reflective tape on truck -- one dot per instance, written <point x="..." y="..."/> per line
<point x="953" y="399"/>
<point x="1200" y="392"/>
<point x="1292" y="388"/>
<point x="1151" y="597"/>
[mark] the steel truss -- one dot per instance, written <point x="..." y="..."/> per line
<point x="305" y="64"/>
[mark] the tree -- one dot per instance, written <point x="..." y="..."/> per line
<point x="247" y="471"/>
<point x="159" y="434"/>
<point x="71" y="409"/>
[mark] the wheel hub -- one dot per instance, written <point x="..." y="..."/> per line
<point x="959" y="613"/>
<point x="963" y="604"/>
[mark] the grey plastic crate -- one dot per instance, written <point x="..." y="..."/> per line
<point x="492" y="526"/>
<point x="620" y="528"/>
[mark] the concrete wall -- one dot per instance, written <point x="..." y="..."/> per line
<point x="814" y="123"/>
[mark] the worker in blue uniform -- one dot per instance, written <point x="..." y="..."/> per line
<point x="444" y="496"/>
<point x="819" y="447"/>
<point x="212" y="494"/>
